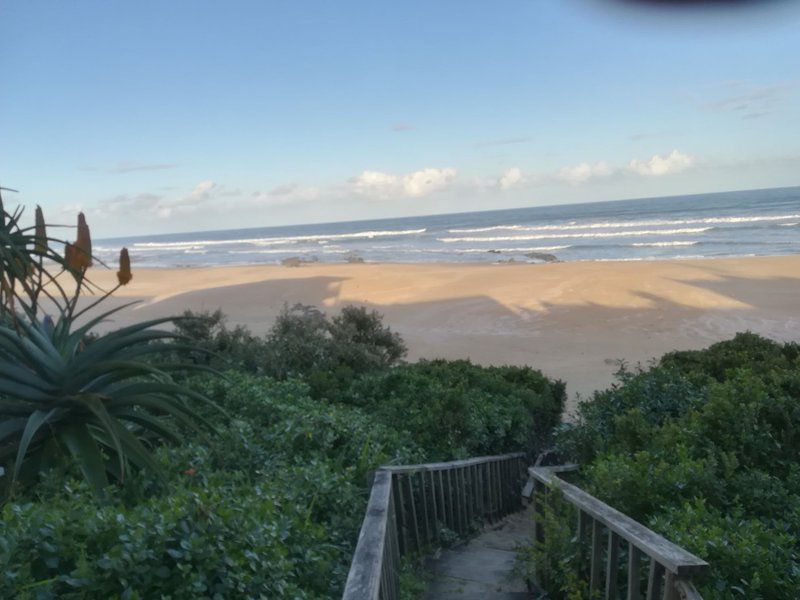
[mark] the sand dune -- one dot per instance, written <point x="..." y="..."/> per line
<point x="572" y="320"/>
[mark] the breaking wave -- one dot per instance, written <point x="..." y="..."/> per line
<point x="662" y="244"/>
<point x="611" y="234"/>
<point x="280" y="240"/>
<point x="572" y="225"/>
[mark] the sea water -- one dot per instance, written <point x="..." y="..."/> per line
<point x="744" y="223"/>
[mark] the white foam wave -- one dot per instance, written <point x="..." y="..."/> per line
<point x="272" y="251"/>
<point x="662" y="244"/>
<point x="534" y="249"/>
<point x="279" y="240"/>
<point x="611" y="234"/>
<point x="649" y="258"/>
<point x="572" y="225"/>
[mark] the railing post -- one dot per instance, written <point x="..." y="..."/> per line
<point x="612" y="562"/>
<point x="597" y="557"/>
<point x="433" y="503"/>
<point x="394" y="549"/>
<point x="413" y="506"/>
<point x="584" y="523"/>
<point x="398" y="501"/>
<point x="670" y="593"/>
<point x="634" y="567"/>
<point x="468" y="495"/>
<point x="445" y="506"/>
<point x="654" y="580"/>
<point x="424" y="497"/>
<point x="538" y="512"/>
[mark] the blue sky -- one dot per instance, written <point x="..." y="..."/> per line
<point x="175" y="116"/>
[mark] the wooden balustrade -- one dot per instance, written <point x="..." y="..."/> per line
<point x="411" y="507"/>
<point x="670" y="567"/>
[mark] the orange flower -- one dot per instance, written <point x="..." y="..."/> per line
<point x="71" y="257"/>
<point x="40" y="246"/>
<point x="124" y="274"/>
<point x="190" y="472"/>
<point x="84" y="243"/>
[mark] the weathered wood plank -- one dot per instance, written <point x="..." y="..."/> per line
<point x="612" y="565"/>
<point x="674" y="558"/>
<point x="634" y="573"/>
<point x="434" y="504"/>
<point x="444" y="466"/>
<point x="425" y="512"/>
<point x="596" y="569"/>
<point x="401" y="510"/>
<point x="670" y="591"/>
<point x="654" y="580"/>
<point x="445" y="507"/>
<point x="538" y="511"/>
<point x="414" y="520"/>
<point x="364" y="578"/>
<point x="584" y="527"/>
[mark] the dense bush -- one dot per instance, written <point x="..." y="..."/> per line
<point x="329" y="353"/>
<point x="457" y="409"/>
<point x="270" y="507"/>
<point x="214" y="343"/>
<point x="303" y="343"/>
<point x="705" y="448"/>
<point x="68" y="392"/>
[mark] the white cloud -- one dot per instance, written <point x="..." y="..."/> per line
<point x="583" y="172"/>
<point x="510" y="178"/>
<point x="416" y="184"/>
<point x="202" y="195"/>
<point x="124" y="203"/>
<point x="202" y="189"/>
<point x="290" y="193"/>
<point x="426" y="181"/>
<point x="674" y="162"/>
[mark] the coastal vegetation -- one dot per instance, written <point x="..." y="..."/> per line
<point x="200" y="460"/>
<point x="203" y="461"/>
<point x="703" y="448"/>
<point x="67" y="392"/>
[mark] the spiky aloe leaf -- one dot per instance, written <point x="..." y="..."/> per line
<point x="37" y="419"/>
<point x="83" y="448"/>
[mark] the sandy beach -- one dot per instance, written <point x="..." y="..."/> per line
<point x="574" y="321"/>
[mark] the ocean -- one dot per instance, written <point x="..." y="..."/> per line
<point x="744" y="223"/>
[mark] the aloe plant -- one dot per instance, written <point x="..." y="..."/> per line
<point x="102" y="402"/>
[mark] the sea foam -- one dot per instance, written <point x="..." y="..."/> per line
<point x="546" y="236"/>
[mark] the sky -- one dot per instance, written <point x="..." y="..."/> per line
<point x="156" y="117"/>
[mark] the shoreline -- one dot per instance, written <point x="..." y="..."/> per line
<point x="498" y="263"/>
<point x="573" y="320"/>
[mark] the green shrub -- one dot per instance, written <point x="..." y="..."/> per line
<point x="303" y="343"/>
<point x="329" y="354"/>
<point x="750" y="558"/>
<point x="704" y="448"/>
<point x="269" y="507"/>
<point x="216" y="345"/>
<point x="456" y="409"/>
<point x="66" y="392"/>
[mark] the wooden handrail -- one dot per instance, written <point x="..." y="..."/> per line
<point x="670" y="565"/>
<point x="409" y="505"/>
<point x="364" y="578"/>
<point x="453" y="464"/>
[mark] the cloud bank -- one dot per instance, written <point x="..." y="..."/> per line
<point x="379" y="185"/>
